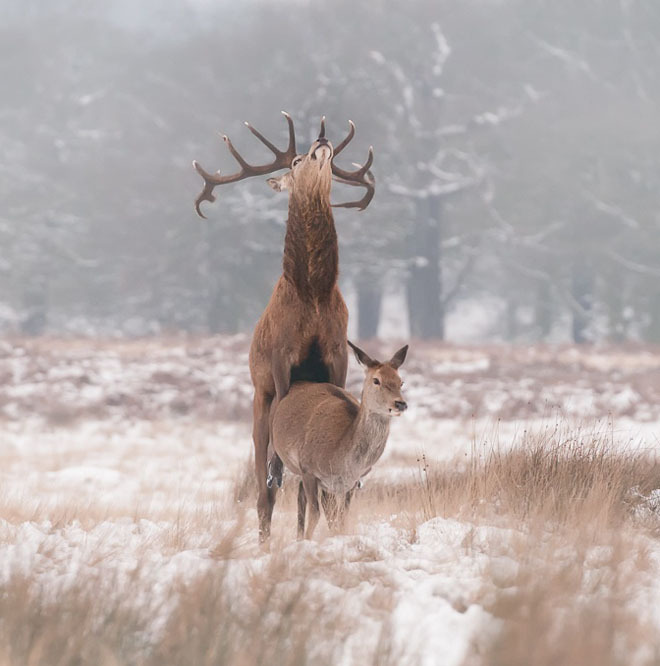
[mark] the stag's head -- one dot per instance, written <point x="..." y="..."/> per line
<point x="311" y="173"/>
<point x="308" y="174"/>
<point x="381" y="392"/>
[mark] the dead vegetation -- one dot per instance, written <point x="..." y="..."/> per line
<point x="207" y="379"/>
<point x="561" y="476"/>
<point x="581" y="555"/>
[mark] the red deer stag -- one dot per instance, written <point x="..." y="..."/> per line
<point x="325" y="436"/>
<point x="302" y="332"/>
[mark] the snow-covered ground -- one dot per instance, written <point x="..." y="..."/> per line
<point x="125" y="464"/>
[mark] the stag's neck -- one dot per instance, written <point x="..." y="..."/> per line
<point x="369" y="436"/>
<point x="311" y="255"/>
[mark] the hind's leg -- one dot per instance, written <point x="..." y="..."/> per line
<point x="330" y="508"/>
<point x="310" y="484"/>
<point x="343" y="510"/>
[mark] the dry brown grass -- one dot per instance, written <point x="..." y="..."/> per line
<point x="560" y="478"/>
<point x="209" y="623"/>
<point x="576" y="597"/>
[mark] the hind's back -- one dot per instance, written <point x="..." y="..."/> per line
<point x="311" y="414"/>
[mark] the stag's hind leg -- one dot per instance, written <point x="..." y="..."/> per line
<point x="302" y="507"/>
<point x="261" y="435"/>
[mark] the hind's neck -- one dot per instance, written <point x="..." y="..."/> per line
<point x="368" y="438"/>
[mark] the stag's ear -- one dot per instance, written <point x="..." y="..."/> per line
<point x="280" y="184"/>
<point x="397" y="360"/>
<point x="362" y="357"/>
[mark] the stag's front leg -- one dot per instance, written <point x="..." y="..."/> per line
<point x="337" y="365"/>
<point x="261" y="436"/>
<point x="281" y="371"/>
<point x="275" y="464"/>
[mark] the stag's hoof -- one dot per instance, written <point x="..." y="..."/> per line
<point x="269" y="481"/>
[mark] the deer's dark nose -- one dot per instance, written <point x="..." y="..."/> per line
<point x="401" y="405"/>
<point x="322" y="141"/>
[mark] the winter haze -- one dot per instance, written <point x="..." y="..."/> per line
<point x="516" y="158"/>
<point x="513" y="241"/>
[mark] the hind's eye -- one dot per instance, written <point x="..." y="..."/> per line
<point x="376" y="381"/>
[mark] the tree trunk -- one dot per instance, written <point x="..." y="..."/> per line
<point x="369" y="300"/>
<point x="425" y="307"/>
<point x="582" y="293"/>
<point x="653" y="330"/>
<point x="543" y="310"/>
<point x="511" y="332"/>
<point x="35" y="303"/>
<point x="615" y="301"/>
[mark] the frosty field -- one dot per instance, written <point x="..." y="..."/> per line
<point x="514" y="518"/>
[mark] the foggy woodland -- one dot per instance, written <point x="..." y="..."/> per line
<point x="517" y="163"/>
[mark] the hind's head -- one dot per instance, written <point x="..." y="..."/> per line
<point x="381" y="392"/>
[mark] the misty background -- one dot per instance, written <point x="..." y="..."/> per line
<point x="517" y="163"/>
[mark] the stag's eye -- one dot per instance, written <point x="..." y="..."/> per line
<point x="296" y="161"/>
<point x="376" y="381"/>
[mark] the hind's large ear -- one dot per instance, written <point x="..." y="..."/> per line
<point x="397" y="360"/>
<point x="362" y="357"/>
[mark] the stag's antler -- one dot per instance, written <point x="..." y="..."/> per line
<point x="282" y="160"/>
<point x="360" y="177"/>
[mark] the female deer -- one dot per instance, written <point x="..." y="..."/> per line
<point x="322" y="433"/>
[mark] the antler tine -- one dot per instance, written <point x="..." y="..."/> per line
<point x="369" y="183"/>
<point x="291" y="148"/>
<point x="362" y="176"/>
<point x="245" y="166"/>
<point x="346" y="141"/>
<point x="322" y="132"/>
<point x="282" y="160"/>
<point x="358" y="173"/>
<point x="207" y="193"/>
<point x="273" y="149"/>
